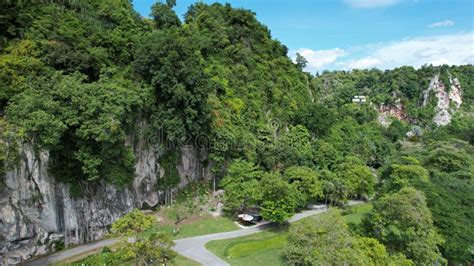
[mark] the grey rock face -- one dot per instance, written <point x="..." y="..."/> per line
<point x="447" y="103"/>
<point x="37" y="212"/>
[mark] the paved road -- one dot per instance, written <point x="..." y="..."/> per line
<point x="192" y="247"/>
<point x="69" y="253"/>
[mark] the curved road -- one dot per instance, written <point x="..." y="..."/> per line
<point x="191" y="247"/>
<point x="194" y="247"/>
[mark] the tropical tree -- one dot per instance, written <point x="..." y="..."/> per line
<point x="326" y="240"/>
<point x="241" y="185"/>
<point x="306" y="180"/>
<point x="403" y="223"/>
<point x="279" y="199"/>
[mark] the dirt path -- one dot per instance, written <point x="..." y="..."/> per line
<point x="191" y="247"/>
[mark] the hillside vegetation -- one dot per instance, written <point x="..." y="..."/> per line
<point x="82" y="79"/>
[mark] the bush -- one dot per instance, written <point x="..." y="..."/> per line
<point x="133" y="223"/>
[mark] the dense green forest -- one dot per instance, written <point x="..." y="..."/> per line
<point x="77" y="78"/>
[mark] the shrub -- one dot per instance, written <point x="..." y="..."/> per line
<point x="133" y="223"/>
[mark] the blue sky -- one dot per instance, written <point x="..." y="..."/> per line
<point x="348" y="34"/>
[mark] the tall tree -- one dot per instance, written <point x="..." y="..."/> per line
<point x="279" y="199"/>
<point x="403" y="223"/>
<point x="326" y="240"/>
<point x="170" y="62"/>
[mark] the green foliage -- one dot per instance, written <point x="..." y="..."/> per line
<point x="450" y="194"/>
<point x="452" y="160"/>
<point x="76" y="77"/>
<point x="450" y="199"/>
<point x="364" y="141"/>
<point x="310" y="241"/>
<point x="398" y="176"/>
<point x="169" y="162"/>
<point x="84" y="125"/>
<point x="9" y="147"/>
<point x="81" y="119"/>
<point x="16" y="67"/>
<point x="404" y="84"/>
<point x="317" y="118"/>
<point x="396" y="131"/>
<point x="279" y="199"/>
<point x="301" y="62"/>
<point x="315" y="240"/>
<point x="164" y="16"/>
<point x="241" y="185"/>
<point x="356" y="176"/>
<point x="294" y="146"/>
<point x="169" y="60"/>
<point x="362" y="113"/>
<point x="403" y="223"/>
<point x="325" y="154"/>
<point x="306" y="180"/>
<point x="462" y="127"/>
<point x="155" y="248"/>
<point x="133" y="223"/>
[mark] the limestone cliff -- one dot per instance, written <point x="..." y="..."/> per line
<point x="447" y="102"/>
<point x="37" y="212"/>
<point x="389" y="111"/>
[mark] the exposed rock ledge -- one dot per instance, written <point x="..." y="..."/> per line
<point x="447" y="103"/>
<point x="36" y="211"/>
<point x="387" y="111"/>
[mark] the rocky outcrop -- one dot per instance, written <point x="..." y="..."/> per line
<point x="37" y="213"/>
<point x="447" y="102"/>
<point x="389" y="111"/>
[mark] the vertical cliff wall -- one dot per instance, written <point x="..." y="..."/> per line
<point x="447" y="102"/>
<point x="37" y="212"/>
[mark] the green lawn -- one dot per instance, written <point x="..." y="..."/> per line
<point x="258" y="249"/>
<point x="264" y="248"/>
<point x="202" y="225"/>
<point x="358" y="212"/>
<point x="183" y="261"/>
<point x="207" y="225"/>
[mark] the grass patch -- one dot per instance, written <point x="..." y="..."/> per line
<point x="246" y="249"/>
<point x="192" y="206"/>
<point x="257" y="249"/>
<point x="355" y="213"/>
<point x="264" y="248"/>
<point x="183" y="261"/>
<point x="199" y="225"/>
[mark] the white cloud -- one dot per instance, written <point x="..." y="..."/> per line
<point x="455" y="49"/>
<point x="362" y="63"/>
<point x="444" y="23"/>
<point x="319" y="59"/>
<point x="451" y="49"/>
<point x="371" y="3"/>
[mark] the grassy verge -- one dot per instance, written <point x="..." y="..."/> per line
<point x="355" y="213"/>
<point x="258" y="249"/>
<point x="98" y="259"/>
<point x="199" y="225"/>
<point x="264" y="248"/>
<point x="183" y="261"/>
<point x="192" y="206"/>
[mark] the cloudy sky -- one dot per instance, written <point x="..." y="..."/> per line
<point x="349" y="34"/>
